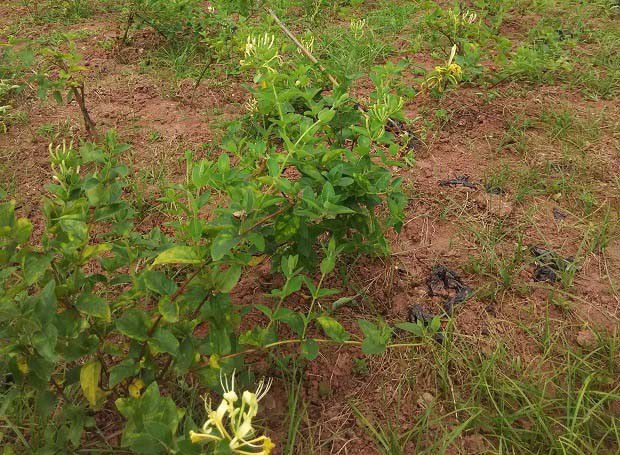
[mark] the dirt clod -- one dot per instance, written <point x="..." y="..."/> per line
<point x="586" y="339"/>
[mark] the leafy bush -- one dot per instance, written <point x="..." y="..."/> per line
<point x="96" y="312"/>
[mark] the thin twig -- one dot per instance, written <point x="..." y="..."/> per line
<point x="267" y="218"/>
<point x="302" y="48"/>
<point x="317" y="340"/>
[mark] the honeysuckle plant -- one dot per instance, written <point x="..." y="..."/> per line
<point x="99" y="314"/>
<point x="444" y="76"/>
<point x="456" y="25"/>
<point x="63" y="76"/>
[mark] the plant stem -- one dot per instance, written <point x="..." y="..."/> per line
<point x="123" y="40"/>
<point x="78" y="93"/>
<point x="318" y="340"/>
<point x="280" y="211"/>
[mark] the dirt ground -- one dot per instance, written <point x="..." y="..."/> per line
<point x="444" y="225"/>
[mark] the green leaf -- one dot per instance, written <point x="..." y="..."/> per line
<point x="185" y="356"/>
<point x="152" y="422"/>
<point x="158" y="282"/>
<point x="411" y="327"/>
<point x="333" y="329"/>
<point x="35" y="266"/>
<point x="93" y="305"/>
<point x="326" y="115"/>
<point x="223" y="163"/>
<point x="335" y="209"/>
<point x="168" y="309"/>
<point x="89" y="381"/>
<point x="435" y="324"/>
<point x="291" y="318"/>
<point x="76" y="420"/>
<point x="126" y="369"/>
<point x="134" y="324"/>
<point x="328" y="264"/>
<point x="257" y="240"/>
<point x="7" y="215"/>
<point x="178" y="255"/>
<point x="341" y="301"/>
<point x="286" y="226"/>
<point x="57" y="96"/>
<point x="45" y="342"/>
<point x="376" y="337"/>
<point x="201" y="173"/>
<point x="288" y="264"/>
<point x="45" y="307"/>
<point x="222" y="244"/>
<point x="23" y="229"/>
<point x="164" y="341"/>
<point x="309" y="349"/>
<point x="92" y="152"/>
<point x="91" y="251"/>
<point x="228" y="280"/>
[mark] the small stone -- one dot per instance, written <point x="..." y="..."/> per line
<point x="400" y="304"/>
<point x="586" y="339"/>
<point x="496" y="204"/>
<point x="425" y="400"/>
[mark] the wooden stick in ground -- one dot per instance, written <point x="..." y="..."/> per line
<point x="301" y="47"/>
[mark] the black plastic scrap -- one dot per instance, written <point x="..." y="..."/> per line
<point x="548" y="264"/>
<point x="493" y="189"/>
<point x="417" y="313"/>
<point x="444" y="279"/>
<point x="558" y="215"/>
<point x="439" y="281"/>
<point x="462" y="180"/>
<point x="404" y="133"/>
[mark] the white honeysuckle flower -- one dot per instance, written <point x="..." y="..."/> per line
<point x="251" y="105"/>
<point x="462" y="18"/>
<point x="357" y="27"/>
<point x="229" y="389"/>
<point x="387" y="106"/>
<point x="232" y="420"/>
<point x="308" y="44"/>
<point x="255" y="44"/>
<point x="261" y="52"/>
<point x="470" y="17"/>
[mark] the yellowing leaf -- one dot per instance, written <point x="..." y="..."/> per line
<point x="256" y="260"/>
<point x="89" y="380"/>
<point x="178" y="255"/>
<point x="213" y="361"/>
<point x="95" y="250"/>
<point x="22" y="364"/>
<point x="135" y="388"/>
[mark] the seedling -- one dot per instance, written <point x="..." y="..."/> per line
<point x="444" y="77"/>
<point x="64" y="78"/>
